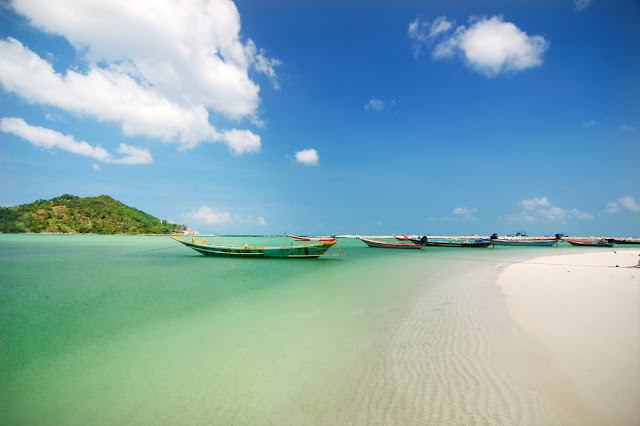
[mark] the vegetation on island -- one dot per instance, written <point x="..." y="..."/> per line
<point x="75" y="215"/>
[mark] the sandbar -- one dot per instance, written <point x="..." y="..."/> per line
<point x="583" y="312"/>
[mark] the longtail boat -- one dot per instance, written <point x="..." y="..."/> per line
<point x="295" y="237"/>
<point x="385" y="244"/>
<point x="292" y="251"/>
<point x="470" y="244"/>
<point x="529" y="242"/>
<point x="402" y="237"/>
<point x="622" y="241"/>
<point x="586" y="243"/>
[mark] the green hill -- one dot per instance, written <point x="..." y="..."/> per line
<point x="75" y="215"/>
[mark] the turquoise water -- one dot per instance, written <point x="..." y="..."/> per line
<point x="110" y="329"/>
<point x="122" y="329"/>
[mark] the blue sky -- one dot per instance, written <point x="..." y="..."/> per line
<point x="321" y="117"/>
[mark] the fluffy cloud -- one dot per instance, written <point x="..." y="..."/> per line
<point x="489" y="45"/>
<point x="580" y="5"/>
<point x="308" y="157"/>
<point x="375" y="104"/>
<point x="241" y="142"/>
<point x="540" y="209"/>
<point x="207" y="215"/>
<point x="629" y="203"/>
<point x="156" y="68"/>
<point x="50" y="139"/>
<point x="424" y="32"/>
<point x="466" y="212"/>
<point x="534" y="203"/>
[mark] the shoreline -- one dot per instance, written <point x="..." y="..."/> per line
<point x="580" y="312"/>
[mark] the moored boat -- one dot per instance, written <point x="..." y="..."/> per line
<point x="386" y="244"/>
<point x="622" y="241"/>
<point x="402" y="237"/>
<point x="529" y="242"/>
<point x="588" y="243"/>
<point x="470" y="244"/>
<point x="292" y="251"/>
<point x="295" y="237"/>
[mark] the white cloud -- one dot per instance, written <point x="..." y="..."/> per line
<point x="578" y="214"/>
<point x="553" y="214"/>
<point x="154" y="67"/>
<point x="308" y="157"/>
<point x="629" y="203"/>
<point x="489" y="45"/>
<point x="263" y="64"/>
<point x="465" y="211"/>
<point x="207" y="215"/>
<point x="540" y="209"/>
<point x="375" y="104"/>
<point x="242" y="141"/>
<point x="262" y="221"/>
<point x="49" y="139"/>
<point x="612" y="207"/>
<point x="534" y="203"/>
<point x="424" y="32"/>
<point x="580" y="5"/>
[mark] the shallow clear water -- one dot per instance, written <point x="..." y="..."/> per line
<point x="122" y="329"/>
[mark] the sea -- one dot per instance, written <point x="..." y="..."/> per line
<point x="112" y="330"/>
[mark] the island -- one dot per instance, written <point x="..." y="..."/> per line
<point x="69" y="214"/>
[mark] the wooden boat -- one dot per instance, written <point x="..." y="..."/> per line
<point x="470" y="244"/>
<point x="586" y="243"/>
<point x="385" y="244"/>
<point x="402" y="237"/>
<point x="292" y="251"/>
<point x="295" y="237"/>
<point x="527" y="243"/>
<point x="622" y="241"/>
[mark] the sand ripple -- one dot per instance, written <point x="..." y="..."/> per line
<point x="437" y="365"/>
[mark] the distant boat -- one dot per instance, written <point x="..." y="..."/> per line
<point x="402" y="237"/>
<point x="295" y="237"/>
<point x="300" y="251"/>
<point x="622" y="241"/>
<point x="385" y="244"/>
<point x="586" y="243"/>
<point x="477" y="243"/>
<point x="529" y="242"/>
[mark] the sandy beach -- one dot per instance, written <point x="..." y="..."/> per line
<point x="582" y="314"/>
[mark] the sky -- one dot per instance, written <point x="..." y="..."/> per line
<point x="329" y="117"/>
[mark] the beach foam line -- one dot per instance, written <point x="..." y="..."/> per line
<point x="584" y="311"/>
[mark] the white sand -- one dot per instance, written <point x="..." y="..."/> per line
<point x="583" y="314"/>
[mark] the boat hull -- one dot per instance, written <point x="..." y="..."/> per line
<point x="308" y="251"/>
<point x="297" y="238"/>
<point x="457" y="244"/>
<point x="385" y="244"/>
<point x="579" y="243"/>
<point x="619" y="241"/>
<point x="528" y="243"/>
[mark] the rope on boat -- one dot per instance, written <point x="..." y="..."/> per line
<point x="165" y="248"/>
<point x="340" y="252"/>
